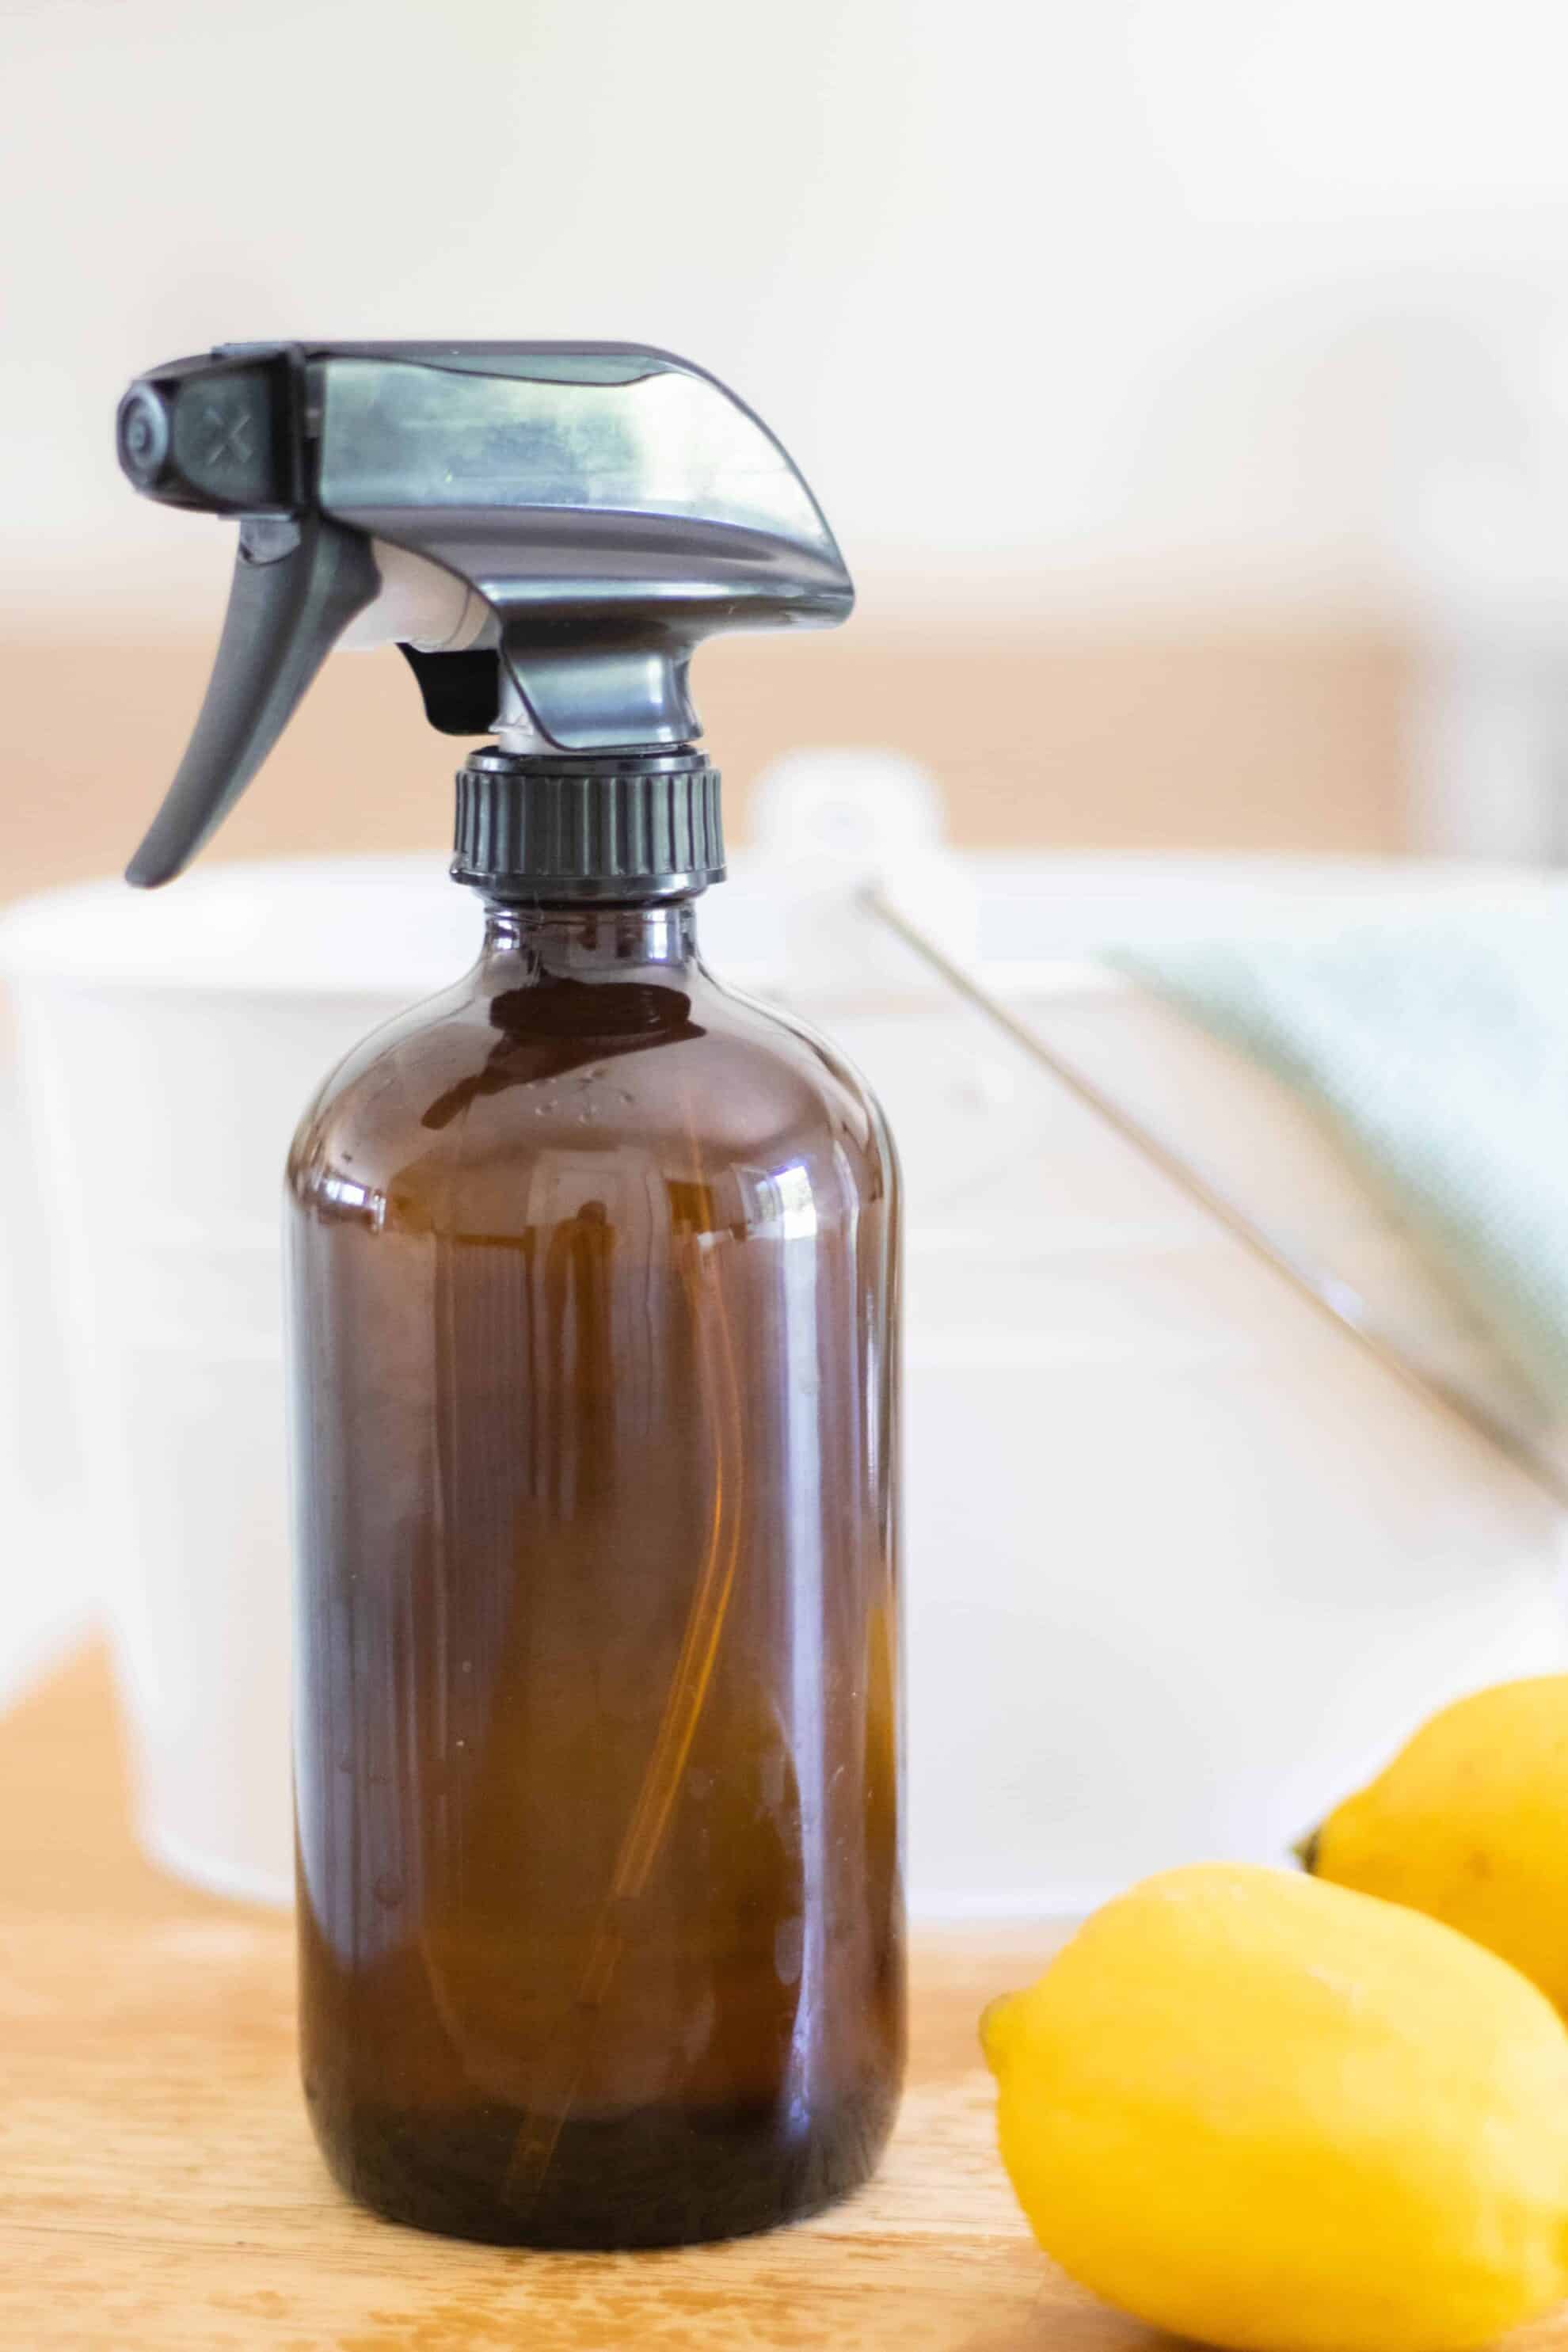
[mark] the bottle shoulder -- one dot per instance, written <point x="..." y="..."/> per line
<point x="678" y="1080"/>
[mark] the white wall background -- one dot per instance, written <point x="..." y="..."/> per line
<point x="1132" y="297"/>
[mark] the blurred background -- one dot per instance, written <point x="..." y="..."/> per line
<point x="1188" y="385"/>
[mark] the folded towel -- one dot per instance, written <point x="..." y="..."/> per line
<point x="1438" y="1047"/>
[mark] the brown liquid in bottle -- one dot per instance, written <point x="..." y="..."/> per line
<point x="594" y="1270"/>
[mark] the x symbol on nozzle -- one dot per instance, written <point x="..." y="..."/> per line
<point x="230" y="443"/>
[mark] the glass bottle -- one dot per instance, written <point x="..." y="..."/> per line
<point x="593" y="1271"/>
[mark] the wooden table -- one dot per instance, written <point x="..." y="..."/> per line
<point x="161" y="2190"/>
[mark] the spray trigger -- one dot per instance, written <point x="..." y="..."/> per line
<point x="297" y="586"/>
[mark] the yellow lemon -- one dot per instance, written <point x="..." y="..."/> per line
<point x="1471" y="1823"/>
<point x="1279" y="2117"/>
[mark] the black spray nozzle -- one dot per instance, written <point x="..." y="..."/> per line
<point x="596" y="510"/>
<point x="221" y="434"/>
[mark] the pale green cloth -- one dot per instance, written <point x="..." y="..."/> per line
<point x="1438" y="1047"/>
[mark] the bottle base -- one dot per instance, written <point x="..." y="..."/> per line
<point x="662" y="2177"/>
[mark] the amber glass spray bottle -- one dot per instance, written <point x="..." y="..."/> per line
<point x="593" y="1274"/>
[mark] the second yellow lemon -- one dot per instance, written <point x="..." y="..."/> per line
<point x="1469" y="1822"/>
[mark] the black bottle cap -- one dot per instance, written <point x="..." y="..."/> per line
<point x="616" y="826"/>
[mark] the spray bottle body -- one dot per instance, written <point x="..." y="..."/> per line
<point x="594" y="1298"/>
<point x="594" y="1274"/>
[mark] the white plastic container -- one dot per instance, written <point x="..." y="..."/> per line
<point x="1183" y="1560"/>
<point x="45" y="1569"/>
<point x="157" y="1036"/>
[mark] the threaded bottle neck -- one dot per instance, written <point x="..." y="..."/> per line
<point x="586" y="942"/>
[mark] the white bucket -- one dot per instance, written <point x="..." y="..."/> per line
<point x="1183" y="1562"/>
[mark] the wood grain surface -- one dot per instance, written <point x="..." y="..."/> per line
<point x="161" y="2188"/>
